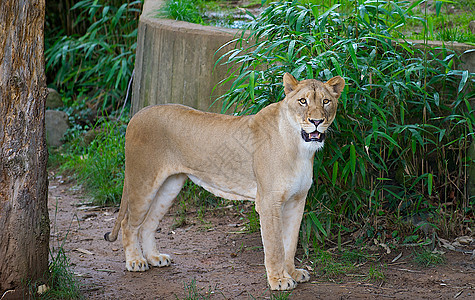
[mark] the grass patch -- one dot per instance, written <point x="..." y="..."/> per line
<point x="330" y="267"/>
<point x="192" y="292"/>
<point x="347" y="263"/>
<point x="273" y="296"/>
<point x="195" y="198"/>
<point x="357" y="256"/>
<point x="62" y="283"/>
<point x="280" y="295"/>
<point x="375" y="273"/>
<point x="99" y="165"/>
<point x="215" y="13"/>
<point x="427" y="258"/>
<point x="253" y="217"/>
<point x="183" y="10"/>
<point x="443" y="21"/>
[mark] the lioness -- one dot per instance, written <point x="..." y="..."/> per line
<point x="266" y="157"/>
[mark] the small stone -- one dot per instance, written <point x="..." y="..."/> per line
<point x="53" y="100"/>
<point x="471" y="25"/>
<point x="57" y="123"/>
<point x="43" y="289"/>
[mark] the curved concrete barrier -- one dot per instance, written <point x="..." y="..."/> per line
<point x="175" y="61"/>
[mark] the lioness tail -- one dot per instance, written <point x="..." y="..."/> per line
<point x="112" y="236"/>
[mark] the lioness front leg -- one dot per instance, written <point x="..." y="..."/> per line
<point x="291" y="219"/>
<point x="274" y="253"/>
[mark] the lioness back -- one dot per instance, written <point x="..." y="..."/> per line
<point x="202" y="145"/>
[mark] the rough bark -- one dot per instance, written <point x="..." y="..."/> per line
<point x="24" y="222"/>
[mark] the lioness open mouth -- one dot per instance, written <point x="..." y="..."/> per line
<point x="315" y="136"/>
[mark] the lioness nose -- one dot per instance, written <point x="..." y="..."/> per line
<point x="315" y="121"/>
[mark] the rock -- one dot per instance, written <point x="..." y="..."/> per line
<point x="464" y="240"/>
<point x="471" y="25"/>
<point x="43" y="289"/>
<point x="57" y="123"/>
<point x="54" y="99"/>
<point x="91" y="135"/>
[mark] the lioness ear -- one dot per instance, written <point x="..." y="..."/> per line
<point x="290" y="83"/>
<point x="336" y="85"/>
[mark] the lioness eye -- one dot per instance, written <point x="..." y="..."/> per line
<point x="326" y="101"/>
<point x="303" y="101"/>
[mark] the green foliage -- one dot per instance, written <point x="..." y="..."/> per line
<point x="194" y="293"/>
<point x="194" y="196"/>
<point x="404" y="120"/>
<point x="375" y="273"/>
<point x="99" y="60"/>
<point x="183" y="10"/>
<point x="253" y="218"/>
<point x="427" y="258"/>
<point x="60" y="284"/>
<point x="438" y="21"/>
<point x="356" y="256"/>
<point x="274" y="295"/>
<point x="216" y="13"/>
<point x="99" y="165"/>
<point x="62" y="281"/>
<point x="280" y="295"/>
<point x="326" y="265"/>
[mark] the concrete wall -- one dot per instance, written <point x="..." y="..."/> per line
<point x="468" y="59"/>
<point x="175" y="61"/>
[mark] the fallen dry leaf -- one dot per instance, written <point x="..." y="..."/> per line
<point x="84" y="251"/>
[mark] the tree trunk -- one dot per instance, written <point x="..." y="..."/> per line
<point x="24" y="222"/>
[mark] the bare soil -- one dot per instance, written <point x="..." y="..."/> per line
<point x="225" y="262"/>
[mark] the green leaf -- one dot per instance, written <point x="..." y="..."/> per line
<point x="441" y="134"/>
<point x="413" y="146"/>
<point x="252" y="84"/>
<point x="336" y="65"/>
<point x="429" y="183"/>
<point x="290" y="52"/>
<point x="300" y="20"/>
<point x="317" y="223"/>
<point x="430" y="25"/>
<point x="438" y="6"/>
<point x="118" y="15"/>
<point x="353" y="158"/>
<point x="463" y="81"/>
<point x="352" y="53"/>
<point x="309" y="71"/>
<point x="437" y="99"/>
<point x="390" y="139"/>
<point x="335" y="172"/>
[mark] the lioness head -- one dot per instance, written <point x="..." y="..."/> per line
<point x="313" y="104"/>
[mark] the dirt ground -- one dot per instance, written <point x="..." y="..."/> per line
<point x="224" y="262"/>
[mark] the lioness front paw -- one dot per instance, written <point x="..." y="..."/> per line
<point x="301" y="275"/>
<point x="160" y="260"/>
<point x="282" y="284"/>
<point x="136" y="265"/>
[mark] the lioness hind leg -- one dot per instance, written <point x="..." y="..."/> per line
<point x="134" y="260"/>
<point x="141" y="196"/>
<point x="160" y="205"/>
